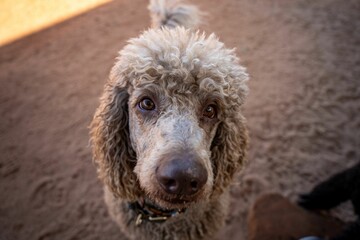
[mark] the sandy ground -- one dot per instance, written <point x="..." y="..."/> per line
<point x="23" y="17"/>
<point x="303" y="110"/>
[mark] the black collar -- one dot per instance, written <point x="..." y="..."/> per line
<point x="148" y="212"/>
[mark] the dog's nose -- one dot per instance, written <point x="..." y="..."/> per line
<point x="182" y="176"/>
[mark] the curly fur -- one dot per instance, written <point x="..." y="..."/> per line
<point x="172" y="13"/>
<point x="183" y="70"/>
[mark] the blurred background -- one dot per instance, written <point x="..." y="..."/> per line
<point x="302" y="112"/>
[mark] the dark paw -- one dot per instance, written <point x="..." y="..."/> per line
<point x="318" y="201"/>
<point x="308" y="201"/>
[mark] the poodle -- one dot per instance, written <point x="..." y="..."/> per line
<point x="339" y="188"/>
<point x="169" y="133"/>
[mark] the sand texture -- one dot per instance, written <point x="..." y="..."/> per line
<point x="303" y="110"/>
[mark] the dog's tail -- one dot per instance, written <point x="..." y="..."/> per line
<point x="172" y="13"/>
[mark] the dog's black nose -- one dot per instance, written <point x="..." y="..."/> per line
<point x="182" y="176"/>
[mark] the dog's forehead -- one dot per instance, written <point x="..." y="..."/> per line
<point x="171" y="50"/>
<point x="179" y="59"/>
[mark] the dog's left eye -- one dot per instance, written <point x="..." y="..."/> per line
<point x="210" y="111"/>
<point x="147" y="104"/>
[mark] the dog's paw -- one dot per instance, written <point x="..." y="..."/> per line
<point x="308" y="201"/>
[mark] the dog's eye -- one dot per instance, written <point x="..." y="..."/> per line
<point x="210" y="111"/>
<point x="147" y="104"/>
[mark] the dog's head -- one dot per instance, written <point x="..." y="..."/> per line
<point x="170" y="126"/>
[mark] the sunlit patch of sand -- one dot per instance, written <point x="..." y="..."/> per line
<point x="23" y="17"/>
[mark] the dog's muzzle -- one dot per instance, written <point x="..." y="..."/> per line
<point x="181" y="175"/>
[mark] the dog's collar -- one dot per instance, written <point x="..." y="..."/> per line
<point x="148" y="212"/>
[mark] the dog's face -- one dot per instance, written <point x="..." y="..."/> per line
<point x="170" y="126"/>
<point x="173" y="122"/>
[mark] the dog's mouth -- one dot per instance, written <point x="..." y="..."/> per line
<point x="178" y="205"/>
<point x="178" y="201"/>
<point x="163" y="200"/>
<point x="175" y="203"/>
<point x="167" y="202"/>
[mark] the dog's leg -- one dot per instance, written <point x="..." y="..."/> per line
<point x="333" y="191"/>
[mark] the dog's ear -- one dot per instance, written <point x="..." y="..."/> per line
<point x="112" y="150"/>
<point x="228" y="151"/>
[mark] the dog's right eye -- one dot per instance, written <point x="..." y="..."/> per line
<point x="146" y="104"/>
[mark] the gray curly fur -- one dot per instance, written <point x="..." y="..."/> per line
<point x="182" y="68"/>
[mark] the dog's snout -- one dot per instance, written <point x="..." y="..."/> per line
<point x="182" y="176"/>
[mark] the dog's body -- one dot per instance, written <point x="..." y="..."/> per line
<point x="169" y="135"/>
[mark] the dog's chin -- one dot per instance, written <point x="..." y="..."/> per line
<point x="175" y="202"/>
<point x="173" y="205"/>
